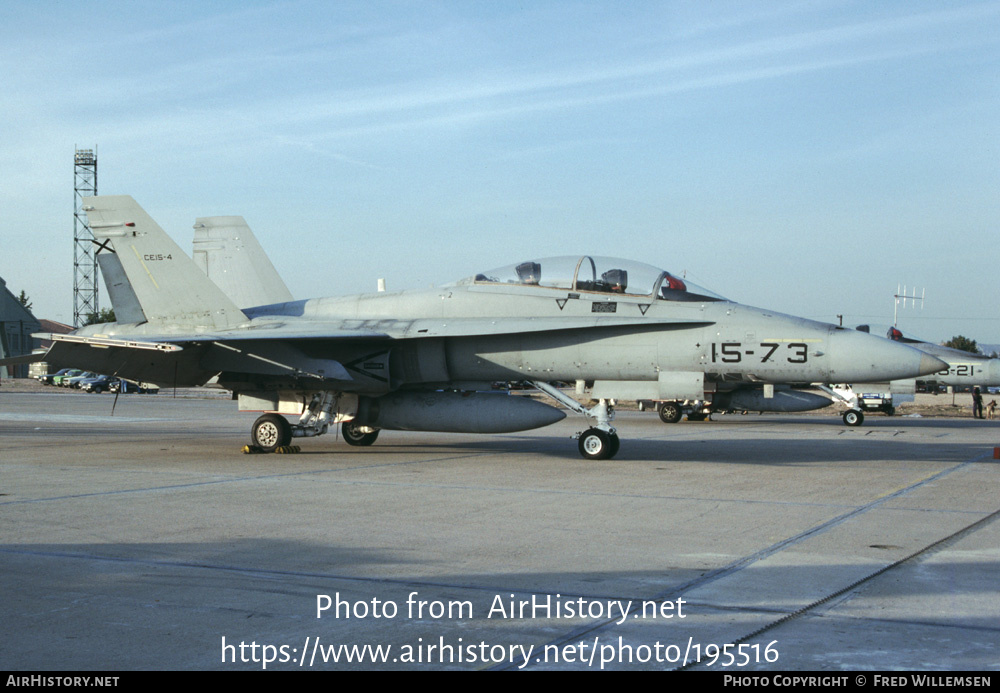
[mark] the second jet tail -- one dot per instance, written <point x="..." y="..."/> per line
<point x="228" y="252"/>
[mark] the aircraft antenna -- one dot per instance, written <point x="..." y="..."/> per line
<point x="84" y="255"/>
<point x="901" y="295"/>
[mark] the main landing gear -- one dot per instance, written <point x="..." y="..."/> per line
<point x="358" y="435"/>
<point x="273" y="431"/>
<point x="597" y="443"/>
<point x="670" y="412"/>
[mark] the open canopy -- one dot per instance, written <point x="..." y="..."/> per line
<point x="597" y="274"/>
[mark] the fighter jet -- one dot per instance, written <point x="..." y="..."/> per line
<point x="420" y="360"/>
<point x="965" y="369"/>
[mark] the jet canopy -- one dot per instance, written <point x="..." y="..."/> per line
<point x="596" y="274"/>
<point x="893" y="333"/>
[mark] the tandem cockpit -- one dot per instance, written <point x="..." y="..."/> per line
<point x="594" y="274"/>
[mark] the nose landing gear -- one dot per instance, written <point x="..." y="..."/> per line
<point x="598" y="443"/>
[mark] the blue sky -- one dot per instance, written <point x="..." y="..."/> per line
<point x="807" y="157"/>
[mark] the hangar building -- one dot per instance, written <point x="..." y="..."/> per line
<point x="16" y="325"/>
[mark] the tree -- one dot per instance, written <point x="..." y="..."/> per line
<point x="105" y="315"/>
<point x="963" y="343"/>
<point x="24" y="300"/>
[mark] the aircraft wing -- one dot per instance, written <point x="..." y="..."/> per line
<point x="288" y="348"/>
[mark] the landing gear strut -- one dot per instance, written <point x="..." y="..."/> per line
<point x="324" y="409"/>
<point x="854" y="416"/>
<point x="597" y="443"/>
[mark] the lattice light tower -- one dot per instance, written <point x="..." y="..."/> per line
<point x="85" y="279"/>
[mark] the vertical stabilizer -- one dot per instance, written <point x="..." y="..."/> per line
<point x="167" y="284"/>
<point x="228" y="252"/>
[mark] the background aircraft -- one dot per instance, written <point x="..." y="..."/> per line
<point x="965" y="369"/>
<point x="418" y="360"/>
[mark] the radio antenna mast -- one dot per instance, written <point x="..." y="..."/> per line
<point x="901" y="295"/>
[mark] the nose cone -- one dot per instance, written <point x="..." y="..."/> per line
<point x="860" y="357"/>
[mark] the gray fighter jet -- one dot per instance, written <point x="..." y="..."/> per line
<point x="421" y="360"/>
<point x="965" y="369"/>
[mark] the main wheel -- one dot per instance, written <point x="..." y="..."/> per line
<point x="595" y="444"/>
<point x="670" y="412"/>
<point x="853" y="417"/>
<point x="270" y="432"/>
<point x="358" y="435"/>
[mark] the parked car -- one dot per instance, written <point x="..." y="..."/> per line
<point x="46" y="379"/>
<point x="58" y="379"/>
<point x="97" y="385"/>
<point x="126" y="386"/>
<point x="75" y="381"/>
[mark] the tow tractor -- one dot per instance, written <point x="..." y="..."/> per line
<point x="863" y="398"/>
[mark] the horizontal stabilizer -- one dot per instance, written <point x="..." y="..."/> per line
<point x="105" y="342"/>
<point x="20" y="360"/>
<point x="163" y="364"/>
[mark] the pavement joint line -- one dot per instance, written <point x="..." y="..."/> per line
<point x="910" y="622"/>
<point x="745" y="562"/>
<point x="457" y="487"/>
<point x="235" y="479"/>
<point x="929" y="549"/>
<point x="273" y="573"/>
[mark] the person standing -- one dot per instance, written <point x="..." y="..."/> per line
<point x="977" y="403"/>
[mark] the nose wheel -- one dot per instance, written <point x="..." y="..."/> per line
<point x="596" y="444"/>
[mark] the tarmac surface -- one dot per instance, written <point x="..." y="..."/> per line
<point x="147" y="540"/>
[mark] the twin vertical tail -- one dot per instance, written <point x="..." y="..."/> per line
<point x="150" y="277"/>
<point x="227" y="251"/>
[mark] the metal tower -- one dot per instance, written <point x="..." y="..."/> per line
<point x="84" y="256"/>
